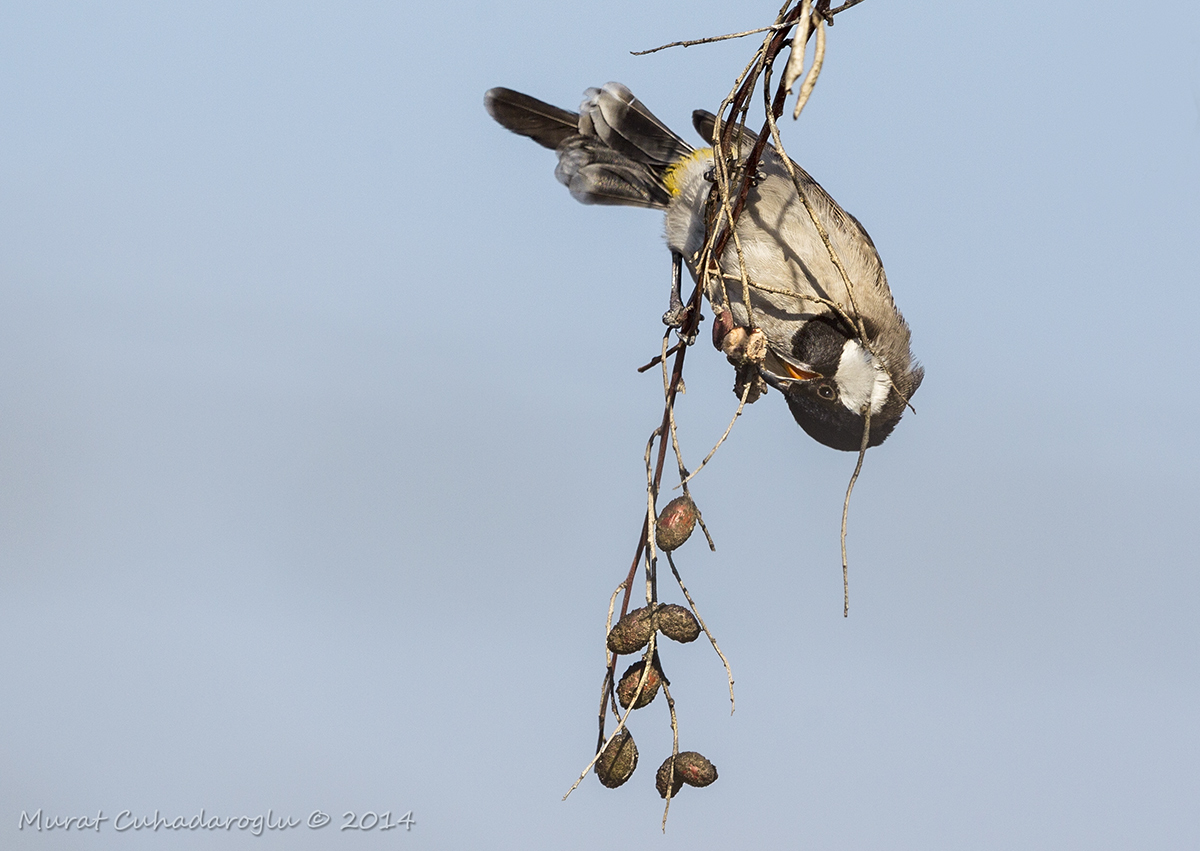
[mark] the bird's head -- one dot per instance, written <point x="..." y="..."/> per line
<point x="830" y="380"/>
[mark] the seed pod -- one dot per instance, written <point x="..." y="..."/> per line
<point x="629" y="683"/>
<point x="632" y="631"/>
<point x="694" y="769"/>
<point x="617" y="761"/>
<point x="756" y="347"/>
<point x="661" y="779"/>
<point x="675" y="523"/>
<point x="722" y="325"/>
<point x="733" y="344"/>
<point x="677" y="623"/>
<point x="744" y="346"/>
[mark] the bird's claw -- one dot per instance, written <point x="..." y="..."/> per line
<point x="676" y="315"/>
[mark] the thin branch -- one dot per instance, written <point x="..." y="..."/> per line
<point x="862" y="452"/>
<point x="710" y="39"/>
<point x="728" y="428"/>
<point x="610" y="658"/>
<point x="651" y="523"/>
<point x="657" y="359"/>
<point x="841" y="8"/>
<point x="600" y="750"/>
<point x="700" y="519"/>
<point x="703" y="626"/>
<point x="691" y="321"/>
<point x="683" y="473"/>
<point x="674" y="750"/>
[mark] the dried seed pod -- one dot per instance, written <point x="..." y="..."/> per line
<point x="632" y="631"/>
<point x="677" y="623"/>
<point x="629" y="683"/>
<point x="617" y="761"/>
<point x="756" y="347"/>
<point x="694" y="769"/>
<point x="675" y="523"/>
<point x="722" y="325"/>
<point x="749" y="375"/>
<point x="733" y="344"/>
<point x="662" y="777"/>
<point x="744" y="346"/>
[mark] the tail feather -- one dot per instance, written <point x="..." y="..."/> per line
<point x="623" y="122"/>
<point x="597" y="174"/>
<point x="614" y="151"/>
<point x="605" y="183"/>
<point x="547" y="125"/>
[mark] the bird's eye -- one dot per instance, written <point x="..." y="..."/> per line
<point x="826" y="391"/>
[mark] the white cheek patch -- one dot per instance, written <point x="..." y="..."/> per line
<point x="859" y="379"/>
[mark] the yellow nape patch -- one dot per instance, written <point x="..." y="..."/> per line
<point x="672" y="179"/>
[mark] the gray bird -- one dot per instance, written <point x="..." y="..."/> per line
<point x="614" y="151"/>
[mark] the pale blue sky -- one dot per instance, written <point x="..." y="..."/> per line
<point x="320" y="435"/>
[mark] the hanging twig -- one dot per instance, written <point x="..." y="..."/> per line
<point x="683" y="473"/>
<point x="674" y="751"/>
<point x="703" y="626"/>
<point x="862" y="452"/>
<point x="728" y="428"/>
<point x="651" y="527"/>
<point x="620" y="726"/>
<point x="609" y="658"/>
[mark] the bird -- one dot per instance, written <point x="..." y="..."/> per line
<point x="842" y="359"/>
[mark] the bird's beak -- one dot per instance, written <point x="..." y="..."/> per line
<point x="785" y="369"/>
<point x="800" y="374"/>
